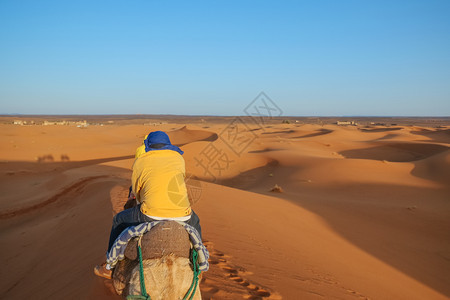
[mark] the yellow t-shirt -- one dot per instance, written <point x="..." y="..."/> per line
<point x="141" y="149"/>
<point x="158" y="183"/>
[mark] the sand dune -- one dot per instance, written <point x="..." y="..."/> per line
<point x="396" y="152"/>
<point x="380" y="129"/>
<point x="187" y="135"/>
<point x="364" y="213"/>
<point x="438" y="136"/>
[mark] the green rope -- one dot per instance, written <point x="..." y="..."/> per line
<point x="195" y="279"/>
<point x="143" y="294"/>
<point x="190" y="293"/>
<point x="141" y="275"/>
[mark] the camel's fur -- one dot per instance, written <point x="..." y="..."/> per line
<point x="168" y="271"/>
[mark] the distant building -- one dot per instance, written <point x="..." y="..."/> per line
<point x="154" y="124"/>
<point x="77" y="123"/>
<point x="82" y="123"/>
<point x="18" y="122"/>
<point x="346" y="123"/>
<point x="46" y="123"/>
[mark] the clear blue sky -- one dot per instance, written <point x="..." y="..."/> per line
<point x="312" y="58"/>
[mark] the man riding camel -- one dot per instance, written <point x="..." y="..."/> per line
<point x="159" y="189"/>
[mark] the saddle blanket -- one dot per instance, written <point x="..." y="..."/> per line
<point x="118" y="249"/>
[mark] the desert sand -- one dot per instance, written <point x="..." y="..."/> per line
<point x="363" y="211"/>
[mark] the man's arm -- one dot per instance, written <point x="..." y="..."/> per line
<point x="135" y="184"/>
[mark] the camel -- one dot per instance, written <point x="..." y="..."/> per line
<point x="168" y="270"/>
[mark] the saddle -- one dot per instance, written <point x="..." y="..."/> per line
<point x="167" y="238"/>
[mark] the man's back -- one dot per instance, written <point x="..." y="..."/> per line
<point x="158" y="183"/>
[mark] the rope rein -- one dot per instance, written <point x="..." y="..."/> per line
<point x="195" y="278"/>
<point x="143" y="295"/>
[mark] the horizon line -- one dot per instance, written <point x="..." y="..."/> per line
<point x="192" y="115"/>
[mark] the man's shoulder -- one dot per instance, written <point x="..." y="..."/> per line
<point x="140" y="151"/>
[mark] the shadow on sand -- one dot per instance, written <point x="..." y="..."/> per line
<point x="386" y="221"/>
<point x="56" y="241"/>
